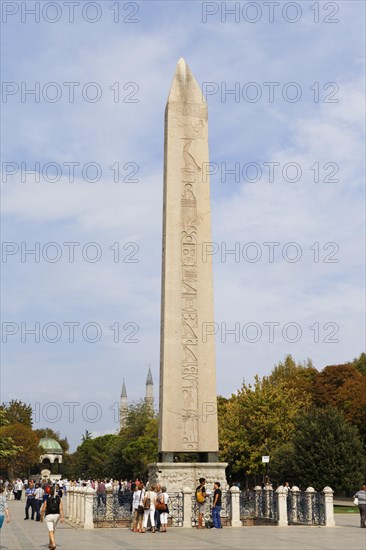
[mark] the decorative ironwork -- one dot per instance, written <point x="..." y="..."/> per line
<point x="113" y="511"/>
<point x="225" y="513"/>
<point x="305" y="508"/>
<point x="175" y="506"/>
<point x="260" y="505"/>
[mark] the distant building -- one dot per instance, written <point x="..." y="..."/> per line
<point x="51" y="459"/>
<point x="149" y="399"/>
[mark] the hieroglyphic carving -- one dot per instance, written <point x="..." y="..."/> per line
<point x="189" y="312"/>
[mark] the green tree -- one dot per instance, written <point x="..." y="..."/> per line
<point x="23" y="437"/>
<point x="298" y="376"/>
<point x="326" y="451"/>
<point x="343" y="387"/>
<point x="360" y="363"/>
<point x="8" y="449"/>
<point x="255" y="421"/>
<point x="137" y="444"/>
<point x="17" y="412"/>
<point x="86" y="436"/>
<point x="92" y="456"/>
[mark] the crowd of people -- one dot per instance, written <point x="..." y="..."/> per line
<point x="149" y="504"/>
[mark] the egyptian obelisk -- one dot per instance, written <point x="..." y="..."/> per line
<point x="188" y="398"/>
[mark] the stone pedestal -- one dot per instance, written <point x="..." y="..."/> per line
<point x="178" y="475"/>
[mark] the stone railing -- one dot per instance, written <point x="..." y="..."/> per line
<point x="281" y="506"/>
<point x="79" y="506"/>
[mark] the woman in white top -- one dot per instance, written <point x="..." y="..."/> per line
<point x="137" y="500"/>
<point x="150" y="511"/>
<point x="164" y="515"/>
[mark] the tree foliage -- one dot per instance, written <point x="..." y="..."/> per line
<point x="298" y="376"/>
<point x="360" y="363"/>
<point x="23" y="437"/>
<point x="325" y="450"/>
<point x="92" y="456"/>
<point x="255" y="421"/>
<point x="17" y="412"/>
<point x="121" y="456"/>
<point x="343" y="387"/>
<point x="8" y="449"/>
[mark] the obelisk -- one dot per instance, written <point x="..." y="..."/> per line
<point x="188" y="398"/>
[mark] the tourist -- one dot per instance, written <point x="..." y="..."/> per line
<point x="201" y="500"/>
<point x="30" y="500"/>
<point x="38" y="500"/>
<point x="286" y="485"/>
<point x="18" y="488"/>
<point x="102" y="497"/>
<point x="137" y="510"/>
<point x="52" y="512"/>
<point x="157" y="512"/>
<point x="4" y="511"/>
<point x="216" y="507"/>
<point x="149" y="509"/>
<point x="164" y="513"/>
<point x="361" y="496"/>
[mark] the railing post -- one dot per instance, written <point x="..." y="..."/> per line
<point x="268" y="491"/>
<point x="187" y="507"/>
<point x="310" y="491"/>
<point x="328" y="507"/>
<point x="109" y="505"/>
<point x="78" y="504"/>
<point x="69" y="496"/>
<point x="82" y="508"/>
<point x="295" y="503"/>
<point x="235" y="506"/>
<point x="282" y="506"/>
<point x="258" y="492"/>
<point x="89" y="499"/>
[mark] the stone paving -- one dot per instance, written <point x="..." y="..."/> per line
<point x="28" y="535"/>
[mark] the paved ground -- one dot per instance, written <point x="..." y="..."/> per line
<point x="28" y="535"/>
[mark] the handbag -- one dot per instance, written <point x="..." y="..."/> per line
<point x="355" y="501"/>
<point x="160" y="505"/>
<point x="140" y="507"/>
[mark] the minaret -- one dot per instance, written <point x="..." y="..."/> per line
<point x="123" y="407"/>
<point x="149" y="395"/>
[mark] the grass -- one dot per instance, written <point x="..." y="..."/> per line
<point x="345" y="509"/>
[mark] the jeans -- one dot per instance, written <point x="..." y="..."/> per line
<point x="38" y="503"/>
<point x="102" y="497"/>
<point x="30" y="503"/>
<point x="216" y="518"/>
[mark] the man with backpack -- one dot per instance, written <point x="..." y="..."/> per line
<point x="52" y="511"/>
<point x="201" y="500"/>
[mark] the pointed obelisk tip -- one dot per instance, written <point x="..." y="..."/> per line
<point x="184" y="86"/>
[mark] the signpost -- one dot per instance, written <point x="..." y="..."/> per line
<point x="265" y="460"/>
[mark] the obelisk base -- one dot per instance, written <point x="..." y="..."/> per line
<point x="177" y="475"/>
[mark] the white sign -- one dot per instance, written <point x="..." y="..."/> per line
<point x="265" y="458"/>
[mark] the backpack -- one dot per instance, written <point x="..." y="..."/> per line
<point x="200" y="496"/>
<point x="53" y="505"/>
